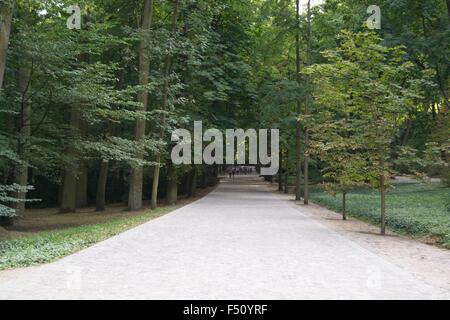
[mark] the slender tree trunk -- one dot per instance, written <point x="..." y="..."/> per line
<point x="168" y="67"/>
<point x="193" y="183"/>
<point x="286" y="181"/>
<point x="101" y="186"/>
<point x="205" y="174"/>
<point x="21" y="171"/>
<point x="137" y="172"/>
<point x="280" y="172"/>
<point x="298" y="148"/>
<point x="307" y="105"/>
<point x="216" y="175"/>
<point x="406" y="135"/>
<point x="306" y="170"/>
<point x="448" y="8"/>
<point x="172" y="186"/>
<point x="344" y="205"/>
<point x="75" y="176"/>
<point x="383" y="204"/>
<point x="286" y="173"/>
<point x="442" y="86"/>
<point x="6" y="14"/>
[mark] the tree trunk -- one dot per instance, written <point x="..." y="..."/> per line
<point x="172" y="186"/>
<point x="286" y="181"/>
<point x="172" y="192"/>
<point x="60" y="194"/>
<point x="306" y="173"/>
<point x="383" y="204"/>
<point x="69" y="193"/>
<point x="68" y="201"/>
<point x="205" y="173"/>
<point x="286" y="173"/>
<point x="448" y="8"/>
<point x="155" y="183"/>
<point x="6" y="14"/>
<point x="344" y="205"/>
<point x="407" y="133"/>
<point x="75" y="180"/>
<point x="137" y="172"/>
<point x="193" y="183"/>
<point x="307" y="105"/>
<point x="23" y="143"/>
<point x="101" y="186"/>
<point x="215" y="176"/>
<point x="82" y="187"/>
<point x="298" y="148"/>
<point x="442" y="86"/>
<point x="168" y="67"/>
<point x="280" y="172"/>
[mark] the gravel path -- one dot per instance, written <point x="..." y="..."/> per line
<point x="239" y="242"/>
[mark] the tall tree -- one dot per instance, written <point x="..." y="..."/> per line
<point x="100" y="204"/>
<point x="371" y="87"/>
<point x="24" y="132"/>
<point x="137" y="172"/>
<point x="298" y="148"/>
<point x="165" y="105"/>
<point x="307" y="107"/>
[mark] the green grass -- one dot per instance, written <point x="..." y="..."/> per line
<point x="421" y="210"/>
<point x="49" y="246"/>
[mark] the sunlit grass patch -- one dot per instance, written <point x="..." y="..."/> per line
<point x="421" y="210"/>
<point x="49" y="246"/>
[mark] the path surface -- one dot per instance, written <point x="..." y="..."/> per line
<point x="240" y="242"/>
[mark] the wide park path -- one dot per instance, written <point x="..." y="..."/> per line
<point x="242" y="241"/>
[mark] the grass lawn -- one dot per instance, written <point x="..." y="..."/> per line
<point x="420" y="210"/>
<point x="48" y="246"/>
<point x="43" y="235"/>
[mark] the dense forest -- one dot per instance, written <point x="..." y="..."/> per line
<point x="86" y="114"/>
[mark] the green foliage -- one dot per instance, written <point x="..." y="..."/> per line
<point x="360" y="94"/>
<point x="7" y="198"/>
